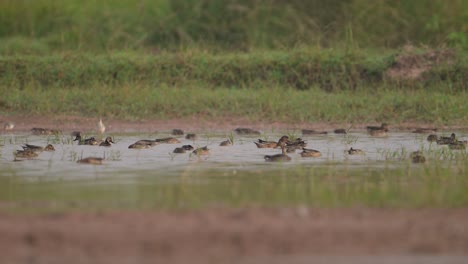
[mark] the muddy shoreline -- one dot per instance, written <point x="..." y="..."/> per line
<point x="69" y="123"/>
<point x="214" y="234"/>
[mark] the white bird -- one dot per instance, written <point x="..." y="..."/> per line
<point x="9" y="126"/>
<point x="101" y="127"/>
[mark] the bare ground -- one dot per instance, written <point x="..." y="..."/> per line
<point x="67" y="123"/>
<point x="250" y="235"/>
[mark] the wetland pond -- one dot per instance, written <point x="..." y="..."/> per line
<point x="236" y="174"/>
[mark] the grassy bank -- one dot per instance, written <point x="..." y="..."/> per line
<point x="263" y="104"/>
<point x="330" y="70"/>
<point x="306" y="85"/>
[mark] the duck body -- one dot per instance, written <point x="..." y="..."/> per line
<point x="447" y="140"/>
<point x="340" y="131"/>
<point x="279" y="157"/>
<point x="378" y="131"/>
<point x="26" y="154"/>
<point x="88" y="141"/>
<point x="44" y="131"/>
<point x="38" y="149"/>
<point x="266" y="144"/>
<point x="191" y="136"/>
<point x="177" y="132"/>
<point x="418" y="157"/>
<point x="107" y="142"/>
<point x="313" y="132"/>
<point x="310" y="153"/>
<point x="458" y="145"/>
<point x="353" y="151"/>
<point x="139" y="146"/>
<point x="183" y="149"/>
<point x="168" y="140"/>
<point x="91" y="160"/>
<point x="148" y="142"/>
<point x="299" y="142"/>
<point x="424" y="130"/>
<point x="225" y="143"/>
<point x="202" y="151"/>
<point x="432" y="138"/>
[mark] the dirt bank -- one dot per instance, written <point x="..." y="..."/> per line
<point x="225" y="235"/>
<point x="68" y="123"/>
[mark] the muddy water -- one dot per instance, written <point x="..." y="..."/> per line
<point x="161" y="160"/>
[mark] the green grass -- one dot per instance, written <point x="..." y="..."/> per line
<point x="438" y="184"/>
<point x="329" y="69"/>
<point x="48" y="26"/>
<point x="301" y="85"/>
<point x="262" y="104"/>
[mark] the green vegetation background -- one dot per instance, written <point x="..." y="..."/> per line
<point x="77" y="57"/>
<point x="43" y="26"/>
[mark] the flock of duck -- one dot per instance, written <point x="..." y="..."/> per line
<point x="284" y="143"/>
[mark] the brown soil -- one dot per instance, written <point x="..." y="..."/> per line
<point x="218" y="235"/>
<point x="68" y="124"/>
<point x="411" y="66"/>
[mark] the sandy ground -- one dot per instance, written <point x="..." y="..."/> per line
<point x="253" y="235"/>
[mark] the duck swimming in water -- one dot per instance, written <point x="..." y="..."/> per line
<point x="107" y="142"/>
<point x="38" y="149"/>
<point x="279" y="157"/>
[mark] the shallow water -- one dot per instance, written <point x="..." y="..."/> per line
<point x="243" y="155"/>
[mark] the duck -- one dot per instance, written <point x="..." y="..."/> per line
<point x="88" y="141"/>
<point x="378" y="131"/>
<point x="299" y="142"/>
<point x="310" y="153"/>
<point x="226" y="143"/>
<point x="292" y="146"/>
<point x="143" y="144"/>
<point x="168" y="140"/>
<point x="107" y="142"/>
<point x="417" y="157"/>
<point x="382" y="126"/>
<point x="202" y="151"/>
<point x="246" y="131"/>
<point x="38" y="149"/>
<point x="340" y="131"/>
<point x="447" y="140"/>
<point x="183" y="149"/>
<point x="191" y="136"/>
<point x="177" y="132"/>
<point x="279" y="157"/>
<point x="353" y="151"/>
<point x="432" y="138"/>
<point x="91" y="160"/>
<point x="44" y="131"/>
<point x="266" y="144"/>
<point x="424" y="130"/>
<point x="458" y="145"/>
<point x="137" y="145"/>
<point x="25" y="154"/>
<point x="313" y="132"/>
